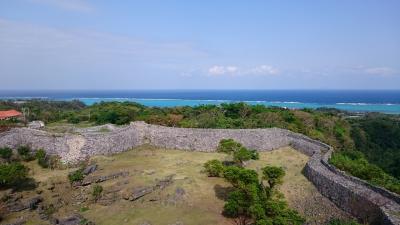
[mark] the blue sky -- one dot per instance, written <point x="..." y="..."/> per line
<point x="219" y="44"/>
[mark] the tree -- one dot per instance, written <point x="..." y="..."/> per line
<point x="252" y="203"/>
<point x="240" y="177"/>
<point x="273" y="175"/>
<point x="228" y="146"/>
<point x="214" y="168"/>
<point x="239" y="152"/>
<point x="242" y="155"/>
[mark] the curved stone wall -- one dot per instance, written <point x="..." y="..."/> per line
<point x="371" y="204"/>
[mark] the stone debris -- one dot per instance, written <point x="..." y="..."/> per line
<point x="98" y="179"/>
<point x="21" y="222"/>
<point x="178" y="196"/>
<point x="90" y="169"/>
<point x="17" y="206"/>
<point x="139" y="192"/>
<point x="145" y="223"/>
<point x="71" y="220"/>
<point x="178" y="223"/>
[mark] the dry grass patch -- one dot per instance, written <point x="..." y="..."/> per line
<point x="202" y="199"/>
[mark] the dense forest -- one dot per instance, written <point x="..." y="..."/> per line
<point x="374" y="137"/>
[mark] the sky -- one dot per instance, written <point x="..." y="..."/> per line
<point x="208" y="44"/>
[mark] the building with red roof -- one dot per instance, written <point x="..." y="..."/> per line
<point x="9" y="114"/>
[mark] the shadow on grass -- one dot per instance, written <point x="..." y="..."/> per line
<point x="222" y="192"/>
<point x="26" y="184"/>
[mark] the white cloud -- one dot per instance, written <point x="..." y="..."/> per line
<point x="264" y="70"/>
<point x="236" y="71"/>
<point x="380" y="71"/>
<point x="221" y="70"/>
<point x="71" y="5"/>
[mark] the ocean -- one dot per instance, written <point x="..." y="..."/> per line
<point x="385" y="101"/>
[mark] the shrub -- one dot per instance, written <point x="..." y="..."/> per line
<point x="273" y="175"/>
<point x="12" y="173"/>
<point x="83" y="209"/>
<point x="214" y="168"/>
<point x="254" y="154"/>
<point x="76" y="176"/>
<point x="49" y="210"/>
<point x="242" y="155"/>
<point x="228" y="146"/>
<point x="6" y="153"/>
<point x="251" y="203"/>
<point x="42" y="158"/>
<point x="54" y="162"/>
<point x="25" y="152"/>
<point x="96" y="192"/>
<point x="355" y="163"/>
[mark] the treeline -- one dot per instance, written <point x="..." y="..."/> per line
<point x="378" y="137"/>
<point x="323" y="125"/>
<point x="47" y="111"/>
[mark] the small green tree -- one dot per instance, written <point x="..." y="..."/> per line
<point x="254" y="154"/>
<point x="273" y="175"/>
<point x="12" y="173"/>
<point x="6" y="153"/>
<point x="228" y="146"/>
<point x="42" y="158"/>
<point x="214" y="168"/>
<point x="96" y="192"/>
<point x="242" y="155"/>
<point x="237" y="150"/>
<point x="252" y="203"/>
<point x="76" y="176"/>
<point x="240" y="177"/>
<point x="25" y="152"/>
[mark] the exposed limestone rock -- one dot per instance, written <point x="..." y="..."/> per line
<point x="98" y="179"/>
<point x="139" y="192"/>
<point x="72" y="220"/>
<point x="89" y="169"/>
<point x="17" y="206"/>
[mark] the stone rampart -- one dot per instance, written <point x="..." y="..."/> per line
<point x="369" y="203"/>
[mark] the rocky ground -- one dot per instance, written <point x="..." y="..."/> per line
<point x="150" y="186"/>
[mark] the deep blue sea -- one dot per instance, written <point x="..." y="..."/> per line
<point x="386" y="101"/>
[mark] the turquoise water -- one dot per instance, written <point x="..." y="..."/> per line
<point x="385" y="101"/>
<point x="355" y="107"/>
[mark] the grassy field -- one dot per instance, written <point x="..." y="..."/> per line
<point x="200" y="202"/>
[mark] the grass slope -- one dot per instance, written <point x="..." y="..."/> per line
<point x="201" y="203"/>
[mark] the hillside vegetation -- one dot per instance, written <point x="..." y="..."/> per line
<point x="375" y="137"/>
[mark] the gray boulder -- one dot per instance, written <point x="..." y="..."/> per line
<point x="90" y="169"/>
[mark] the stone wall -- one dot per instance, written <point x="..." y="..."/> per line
<point x="370" y="204"/>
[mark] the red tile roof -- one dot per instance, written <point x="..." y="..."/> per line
<point x="9" y="113"/>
